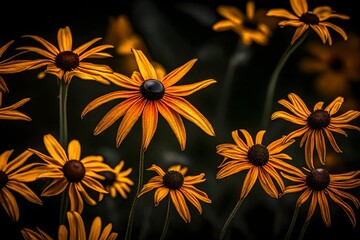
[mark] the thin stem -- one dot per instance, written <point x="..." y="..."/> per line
<point x="292" y="224"/>
<point x="240" y="56"/>
<point x="303" y="230"/>
<point x="140" y="183"/>
<point x="167" y="219"/>
<point x="63" y="90"/>
<point x="274" y="79"/>
<point x="231" y="216"/>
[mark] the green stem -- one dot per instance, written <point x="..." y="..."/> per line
<point x="238" y="57"/>
<point x="167" y="220"/>
<point x="274" y="78"/>
<point x="231" y="216"/>
<point x="140" y="183"/>
<point x="303" y="230"/>
<point x="292" y="224"/>
<point x="63" y="90"/>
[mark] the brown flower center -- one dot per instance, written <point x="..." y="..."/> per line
<point x="258" y="155"/>
<point x="318" y="179"/>
<point x="336" y="64"/>
<point x="74" y="170"/>
<point x="173" y="180"/>
<point x="309" y="18"/>
<point x="110" y="178"/>
<point x="319" y="119"/>
<point x="152" y="89"/>
<point x="3" y="179"/>
<point x="67" y="60"/>
<point x="250" y="24"/>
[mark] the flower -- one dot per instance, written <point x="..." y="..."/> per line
<point x="335" y="67"/>
<point x="179" y="187"/>
<point x="13" y="176"/>
<point x="121" y="35"/>
<point x="315" y="124"/>
<point x="148" y="95"/>
<point x="260" y="161"/>
<point x="317" y="184"/>
<point x="76" y="230"/>
<point x="70" y="172"/>
<point x="315" y="19"/>
<point x="249" y="26"/>
<point x="29" y="234"/>
<point x="10" y="112"/>
<point x="117" y="181"/>
<point x="64" y="62"/>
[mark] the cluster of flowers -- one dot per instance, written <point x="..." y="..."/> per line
<point x="151" y="91"/>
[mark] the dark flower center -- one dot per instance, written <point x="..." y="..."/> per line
<point x="74" y="170"/>
<point x="309" y="18"/>
<point x="258" y="155"/>
<point x="319" y="119"/>
<point x="173" y="180"/>
<point x="336" y="64"/>
<point x="3" y="179"/>
<point x="110" y="178"/>
<point x="67" y="60"/>
<point x="152" y="89"/>
<point x="250" y="24"/>
<point x="318" y="179"/>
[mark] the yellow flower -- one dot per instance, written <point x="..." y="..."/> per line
<point x="335" y="67"/>
<point x="315" y="124"/>
<point x="76" y="230"/>
<point x="29" y="234"/>
<point x="117" y="181"/>
<point x="10" y="112"/>
<point x="319" y="185"/>
<point x="179" y="187"/>
<point x="70" y="173"/>
<point x="13" y="176"/>
<point x="249" y="26"/>
<point x="64" y="62"/>
<point x="260" y="161"/>
<point x="315" y="19"/>
<point x="148" y="95"/>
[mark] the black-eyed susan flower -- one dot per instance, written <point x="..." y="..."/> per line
<point x="261" y="163"/>
<point x="303" y="19"/>
<point x="64" y="62"/>
<point x="13" y="176"/>
<point x="11" y="112"/>
<point x="315" y="124"/>
<point x="335" y="68"/>
<point x="250" y="26"/>
<point x="178" y="187"/>
<point x="148" y="95"/>
<point x="29" y="234"/>
<point x="117" y="181"/>
<point x="75" y="230"/>
<point x="69" y="172"/>
<point x="319" y="186"/>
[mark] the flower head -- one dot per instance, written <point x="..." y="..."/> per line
<point x="319" y="185"/>
<point x="64" y="62"/>
<point x="316" y="19"/>
<point x="179" y="187"/>
<point x="315" y="124"/>
<point x="335" y="67"/>
<point x="117" y="181"/>
<point x="248" y="26"/>
<point x="76" y="230"/>
<point x="69" y="172"/>
<point x="13" y="176"/>
<point x="260" y="161"/>
<point x="149" y="94"/>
